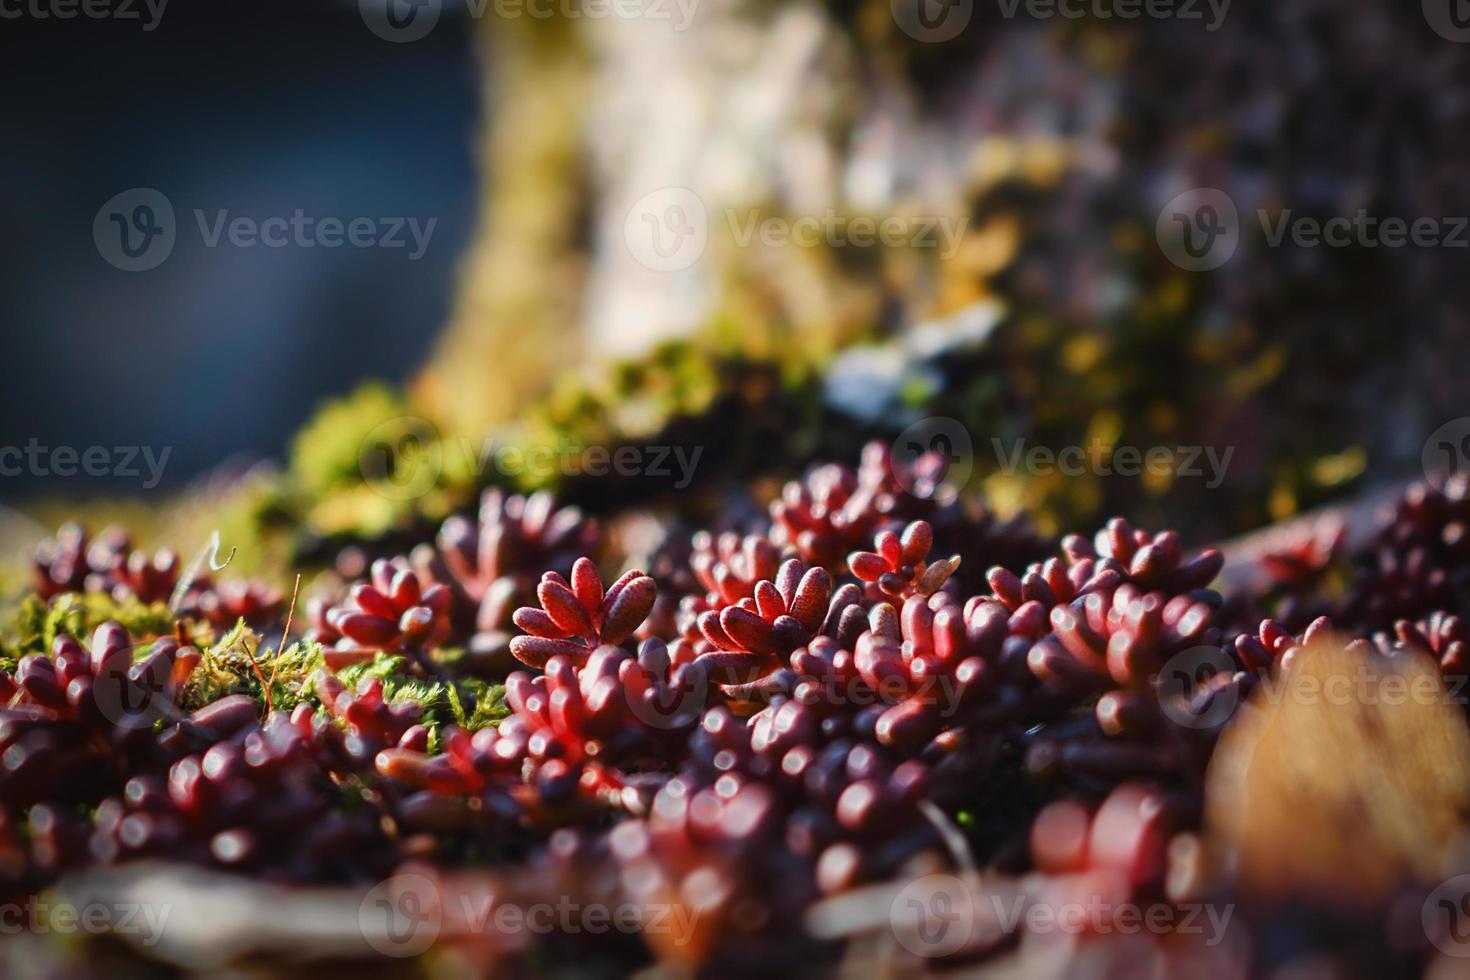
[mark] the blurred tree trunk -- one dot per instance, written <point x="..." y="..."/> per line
<point x="597" y="127"/>
<point x="518" y="308"/>
<point x="1048" y="149"/>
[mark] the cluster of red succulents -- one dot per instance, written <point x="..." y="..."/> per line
<point x="836" y="510"/>
<point x="745" y="639"/>
<point x="261" y="800"/>
<point x="254" y="602"/>
<point x="899" y="566"/>
<point x="729" y="566"/>
<point x="73" y="720"/>
<point x="370" y="722"/>
<point x="491" y="564"/>
<point x="71" y="562"/>
<point x="1442" y="635"/>
<point x="391" y="612"/>
<point x="572" y="731"/>
<point x="826" y="515"/>
<point x="1273" y="644"/>
<point x="578" y="616"/>
<point x="1418" y="562"/>
<point x="779" y="714"/>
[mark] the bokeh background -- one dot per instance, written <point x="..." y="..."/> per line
<point x="540" y="137"/>
<point x="591" y="170"/>
<point x="260" y="109"/>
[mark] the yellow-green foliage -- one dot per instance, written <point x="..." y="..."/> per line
<point x="35" y="624"/>
<point x="325" y="453"/>
<point x="236" y="664"/>
<point x="371" y="462"/>
<point x="701" y="386"/>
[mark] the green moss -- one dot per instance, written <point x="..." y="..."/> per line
<point x="289" y="675"/>
<point x="467" y="702"/>
<point x="35" y="624"/>
<point x="370" y="463"/>
<point x="325" y="454"/>
<point x="235" y="663"/>
<point x="739" y="410"/>
<point x="486" y="704"/>
<point x="224" y="668"/>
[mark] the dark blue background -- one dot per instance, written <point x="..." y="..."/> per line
<point x="258" y="108"/>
